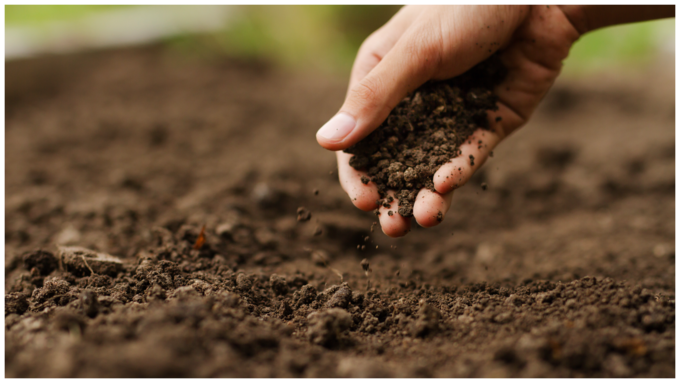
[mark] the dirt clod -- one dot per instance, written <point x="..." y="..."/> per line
<point x="89" y="303"/>
<point x="427" y="321"/>
<point x="81" y="261"/>
<point x="279" y="285"/>
<point x="42" y="260"/>
<point x="303" y="214"/>
<point x="327" y="328"/>
<point x="365" y="264"/>
<point x="15" y="303"/>
<point x="341" y="298"/>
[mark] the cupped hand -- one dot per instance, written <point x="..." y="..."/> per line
<point x="422" y="43"/>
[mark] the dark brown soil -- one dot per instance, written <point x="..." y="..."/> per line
<point x="424" y="131"/>
<point x="563" y="267"/>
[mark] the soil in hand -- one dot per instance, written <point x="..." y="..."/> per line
<point x="424" y="131"/>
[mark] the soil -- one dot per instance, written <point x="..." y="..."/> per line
<point x="424" y="131"/>
<point x="116" y="160"/>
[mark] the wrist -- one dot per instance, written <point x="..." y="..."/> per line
<point x="577" y="17"/>
<point x="586" y="18"/>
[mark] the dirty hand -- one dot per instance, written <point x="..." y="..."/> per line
<point x="422" y="43"/>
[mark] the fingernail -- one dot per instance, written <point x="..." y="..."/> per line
<point x="338" y="127"/>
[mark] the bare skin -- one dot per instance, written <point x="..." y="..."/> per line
<point x="422" y="43"/>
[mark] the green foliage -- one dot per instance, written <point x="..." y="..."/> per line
<point x="323" y="36"/>
<point x="620" y="46"/>
<point x="33" y="15"/>
<point x="327" y="37"/>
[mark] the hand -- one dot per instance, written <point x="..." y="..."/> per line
<point x="422" y="43"/>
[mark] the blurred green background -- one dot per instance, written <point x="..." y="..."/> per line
<point x="326" y="37"/>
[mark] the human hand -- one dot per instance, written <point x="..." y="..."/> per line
<point x="422" y="43"/>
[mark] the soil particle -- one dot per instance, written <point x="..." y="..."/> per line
<point x="303" y="214"/>
<point x="327" y="328"/>
<point x="52" y="287"/>
<point x="43" y="261"/>
<point x="89" y="303"/>
<point x="81" y="261"/>
<point x="306" y="295"/>
<point x="243" y="282"/>
<point x="15" y="303"/>
<point x="425" y="130"/>
<point x="427" y="321"/>
<point x="365" y="264"/>
<point x="341" y="298"/>
<point x="279" y="285"/>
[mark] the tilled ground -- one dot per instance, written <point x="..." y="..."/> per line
<point x="563" y="267"/>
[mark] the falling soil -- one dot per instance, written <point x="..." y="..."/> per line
<point x="116" y="160"/>
<point x="424" y="131"/>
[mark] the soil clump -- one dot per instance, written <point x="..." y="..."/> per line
<point x="424" y="131"/>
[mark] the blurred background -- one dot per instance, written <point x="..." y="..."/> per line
<point x="319" y="37"/>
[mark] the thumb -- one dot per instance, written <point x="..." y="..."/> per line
<point x="405" y="67"/>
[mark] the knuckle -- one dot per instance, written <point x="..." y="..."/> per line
<point x="370" y="43"/>
<point x="366" y="93"/>
<point x="425" y="46"/>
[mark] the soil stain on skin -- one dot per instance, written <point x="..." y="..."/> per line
<point x="550" y="273"/>
<point x="424" y="131"/>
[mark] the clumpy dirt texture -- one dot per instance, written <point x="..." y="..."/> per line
<point x="116" y="160"/>
<point x="424" y="131"/>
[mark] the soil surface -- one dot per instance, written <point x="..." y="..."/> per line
<point x="424" y="131"/>
<point x="564" y="266"/>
